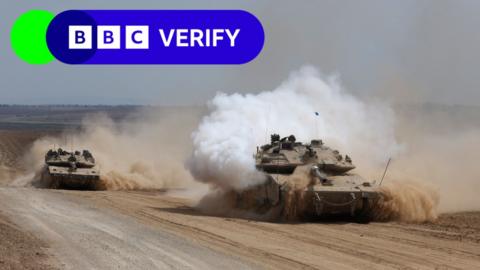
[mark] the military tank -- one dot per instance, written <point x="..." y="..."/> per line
<point x="318" y="176"/>
<point x="70" y="170"/>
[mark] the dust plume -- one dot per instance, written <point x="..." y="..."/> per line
<point x="309" y="106"/>
<point x="442" y="150"/>
<point x="146" y="152"/>
<point x="226" y="138"/>
<point x="295" y="202"/>
<point x="406" y="201"/>
<point x="6" y="172"/>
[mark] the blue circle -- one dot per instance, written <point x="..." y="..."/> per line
<point x="58" y="36"/>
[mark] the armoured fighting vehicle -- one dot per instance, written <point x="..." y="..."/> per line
<point x="313" y="176"/>
<point x="70" y="170"/>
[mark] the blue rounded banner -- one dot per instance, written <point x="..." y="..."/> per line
<point x="155" y="37"/>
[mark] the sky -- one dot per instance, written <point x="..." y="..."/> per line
<point x="402" y="51"/>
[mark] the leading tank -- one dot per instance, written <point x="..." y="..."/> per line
<point x="70" y="170"/>
<point x="315" y="177"/>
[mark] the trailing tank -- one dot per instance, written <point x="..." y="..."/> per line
<point x="70" y="170"/>
<point x="316" y="178"/>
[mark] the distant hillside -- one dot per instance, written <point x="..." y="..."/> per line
<point x="70" y="116"/>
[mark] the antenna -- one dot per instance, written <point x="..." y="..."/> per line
<point x="385" y="172"/>
<point x="267" y="118"/>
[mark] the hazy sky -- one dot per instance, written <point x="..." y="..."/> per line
<point x="405" y="51"/>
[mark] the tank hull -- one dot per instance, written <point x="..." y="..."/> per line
<point x="312" y="203"/>
<point x="67" y="181"/>
<point x="309" y="180"/>
<point x="351" y="203"/>
<point x="80" y="179"/>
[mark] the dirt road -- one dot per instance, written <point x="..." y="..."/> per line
<point x="83" y="236"/>
<point x="151" y="230"/>
<point x="22" y="250"/>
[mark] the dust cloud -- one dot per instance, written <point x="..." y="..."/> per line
<point x="147" y="152"/>
<point x="226" y="139"/>
<point x="6" y="172"/>
<point x="433" y="168"/>
<point x="295" y="197"/>
<point x="437" y="170"/>
<point x="434" y="153"/>
<point x="442" y="152"/>
<point x="406" y="201"/>
<point x="310" y="106"/>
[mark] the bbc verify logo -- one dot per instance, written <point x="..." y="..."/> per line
<point x="141" y="37"/>
<point x="137" y="37"/>
<point x="108" y="37"/>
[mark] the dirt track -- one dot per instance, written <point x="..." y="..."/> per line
<point x="150" y="230"/>
<point x="84" y="236"/>
<point x="22" y="250"/>
<point x="153" y="230"/>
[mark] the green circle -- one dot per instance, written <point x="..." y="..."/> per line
<point x="29" y="36"/>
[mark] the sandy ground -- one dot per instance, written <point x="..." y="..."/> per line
<point x="151" y="230"/>
<point x="22" y="250"/>
<point x="58" y="229"/>
<point x="83" y="235"/>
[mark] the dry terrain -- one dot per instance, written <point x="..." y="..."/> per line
<point x="20" y="249"/>
<point x="59" y="229"/>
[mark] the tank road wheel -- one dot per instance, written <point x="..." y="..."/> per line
<point x="364" y="215"/>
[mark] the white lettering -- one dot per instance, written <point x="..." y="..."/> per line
<point x="216" y="36"/>
<point x="182" y="34"/>
<point x="232" y="37"/>
<point x="167" y="41"/>
<point x="197" y="36"/>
